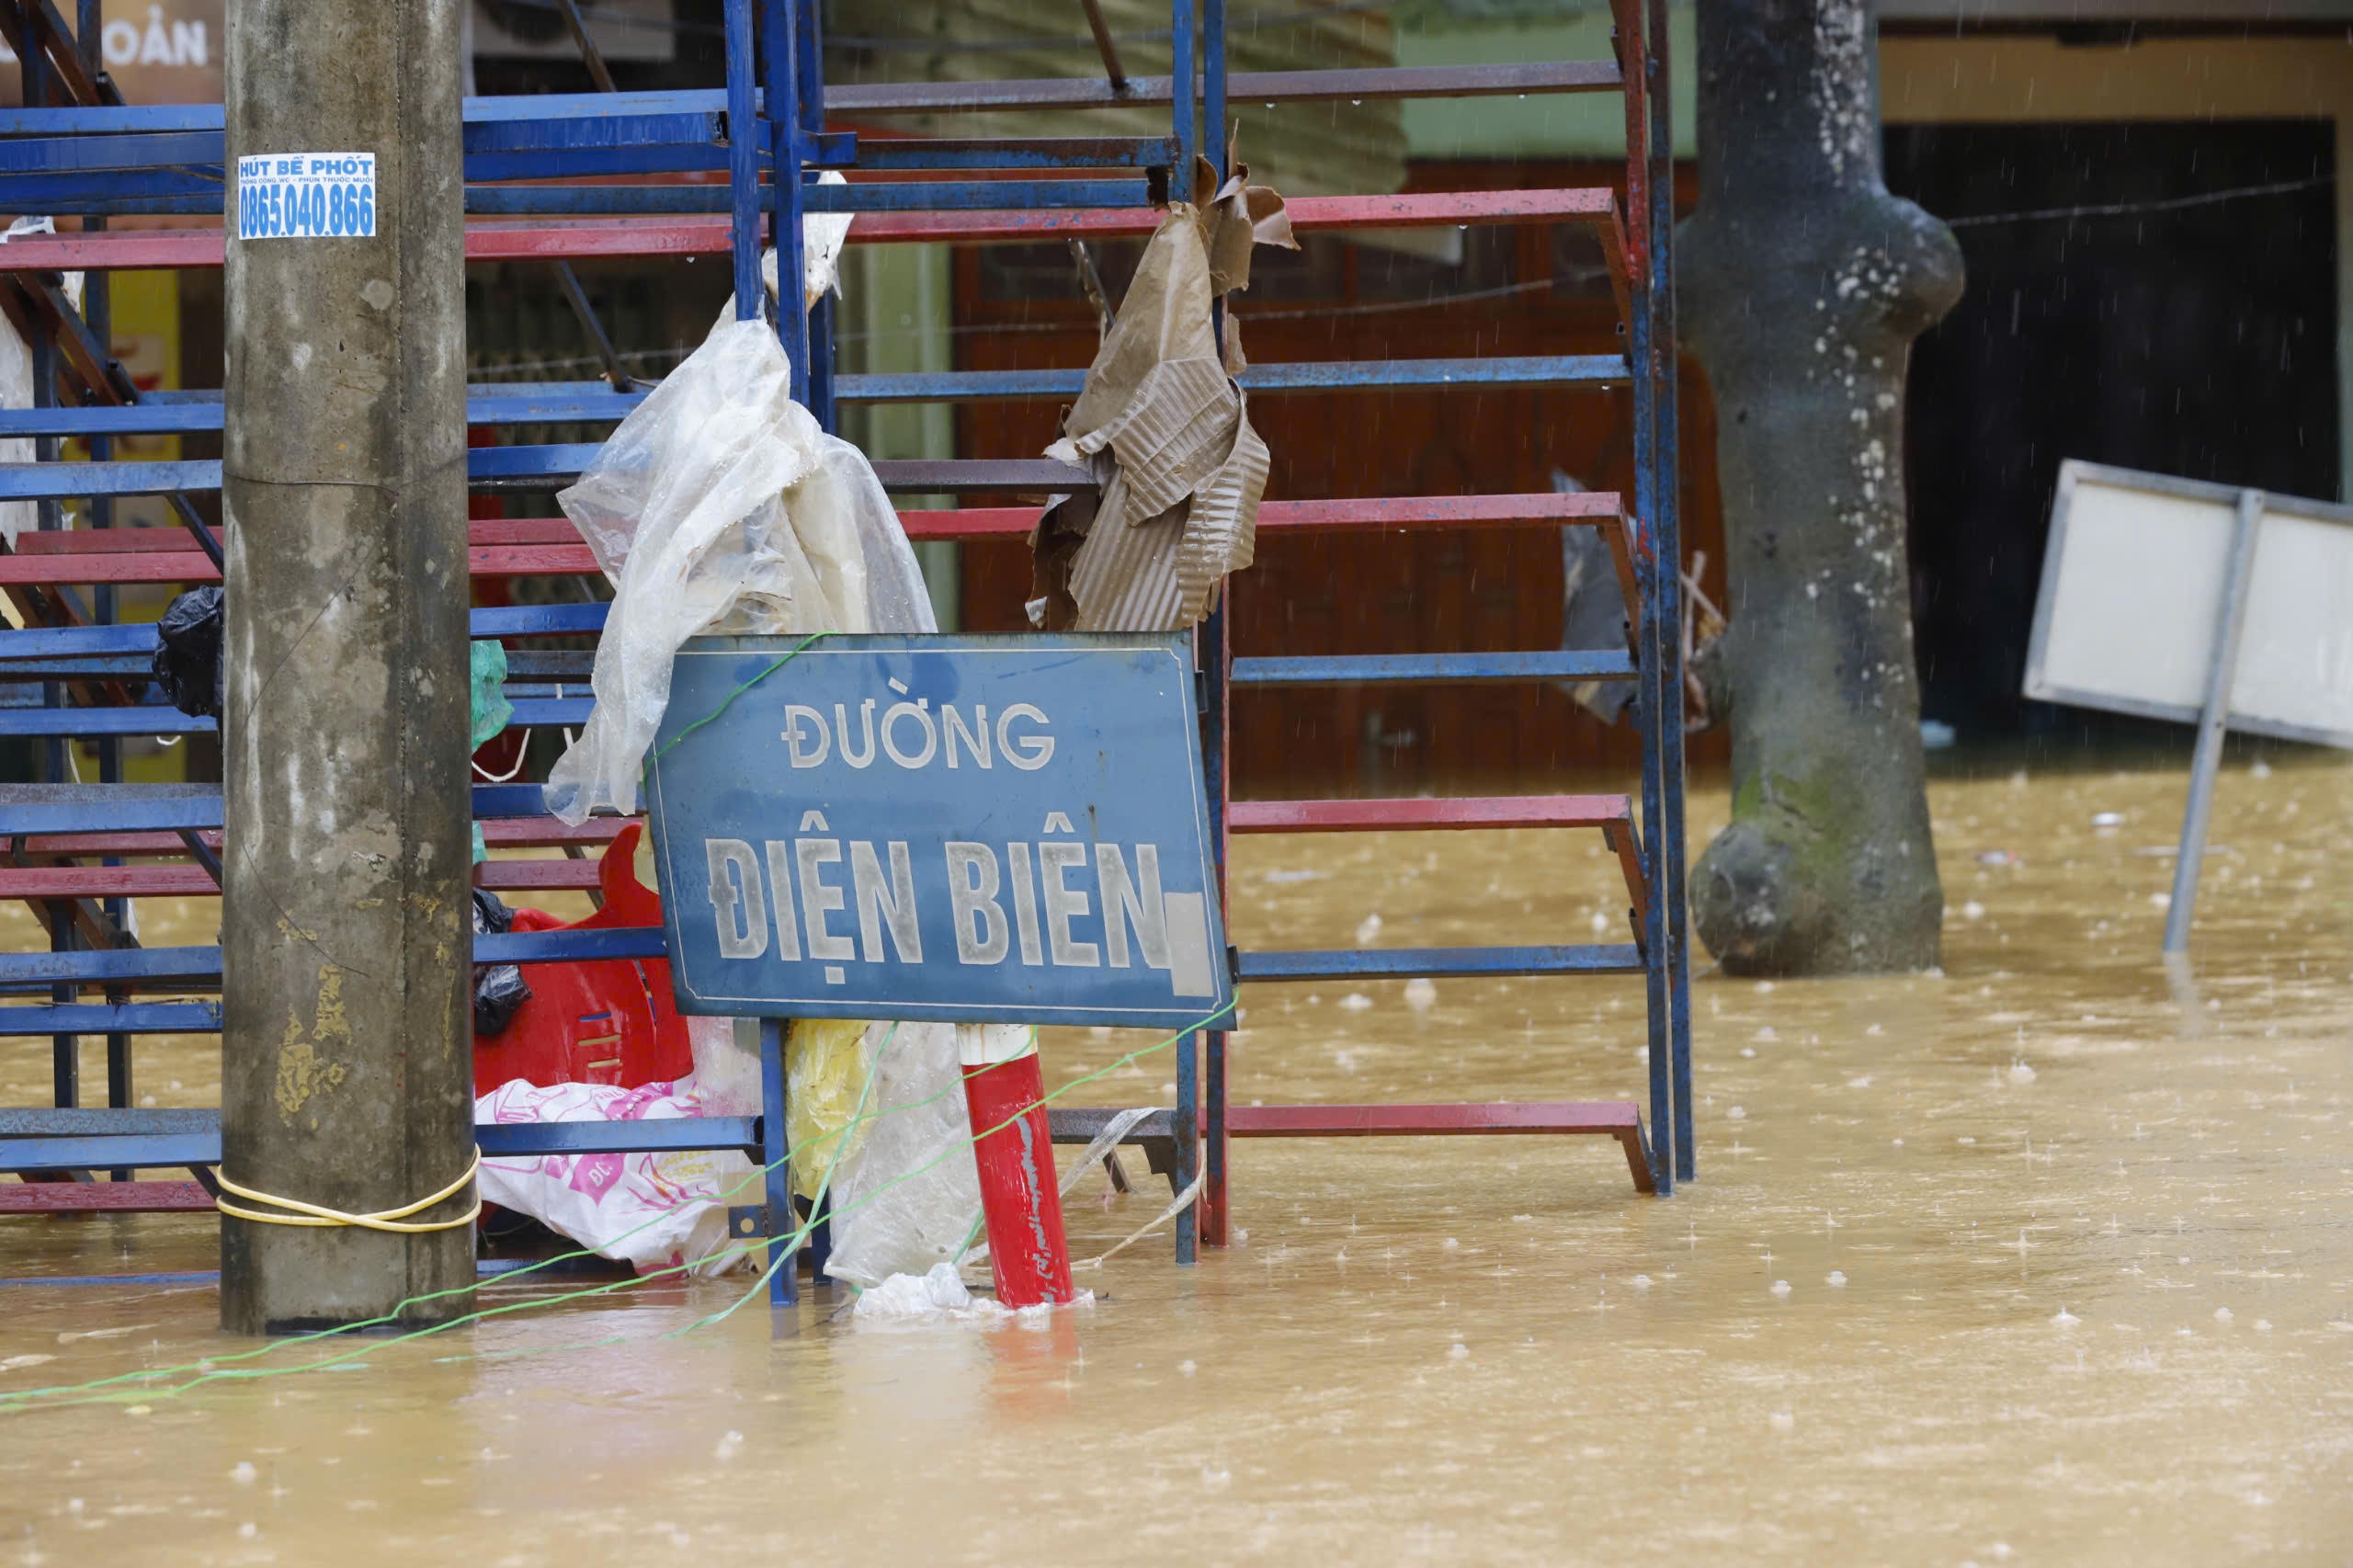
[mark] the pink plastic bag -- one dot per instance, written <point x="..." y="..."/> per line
<point x="649" y="1211"/>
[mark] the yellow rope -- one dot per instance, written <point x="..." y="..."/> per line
<point x="384" y="1219"/>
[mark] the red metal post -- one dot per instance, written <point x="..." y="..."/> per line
<point x="1020" y="1199"/>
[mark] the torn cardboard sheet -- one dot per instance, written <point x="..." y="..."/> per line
<point x="1165" y="432"/>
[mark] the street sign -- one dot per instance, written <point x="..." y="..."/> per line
<point x="989" y="829"/>
<point x="2219" y="606"/>
<point x="2144" y="571"/>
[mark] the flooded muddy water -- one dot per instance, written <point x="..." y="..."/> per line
<point x="2045" y="1259"/>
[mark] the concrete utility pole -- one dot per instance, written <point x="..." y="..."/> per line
<point x="346" y="1072"/>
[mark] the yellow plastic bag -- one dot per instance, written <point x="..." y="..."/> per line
<point x="825" y="1064"/>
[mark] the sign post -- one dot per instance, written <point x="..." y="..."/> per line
<point x="2213" y="722"/>
<point x="973" y="829"/>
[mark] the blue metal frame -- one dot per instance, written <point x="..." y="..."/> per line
<point x="766" y="127"/>
<point x="1667" y="723"/>
<point x="582" y="402"/>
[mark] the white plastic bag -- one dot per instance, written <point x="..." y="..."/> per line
<point x="823" y="235"/>
<point x="649" y="1211"/>
<point x="902" y="1196"/>
<point x="719" y="507"/>
<point x="16" y="386"/>
<point x="916" y="1298"/>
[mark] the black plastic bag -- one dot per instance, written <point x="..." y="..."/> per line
<point x="188" y="664"/>
<point x="499" y="989"/>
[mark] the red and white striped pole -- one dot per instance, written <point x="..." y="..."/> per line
<point x="1020" y="1199"/>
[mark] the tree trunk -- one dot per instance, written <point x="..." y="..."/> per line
<point x="1804" y="284"/>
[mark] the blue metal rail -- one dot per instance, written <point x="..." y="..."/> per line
<point x="766" y="128"/>
<point x="192" y="1137"/>
<point x="592" y="403"/>
<point x="532" y="711"/>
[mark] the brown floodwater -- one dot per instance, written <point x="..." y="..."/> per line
<point x="2046" y="1258"/>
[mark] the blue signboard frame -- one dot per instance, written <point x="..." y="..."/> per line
<point x="977" y="828"/>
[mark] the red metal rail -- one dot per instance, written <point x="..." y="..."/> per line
<point x="104" y="1197"/>
<point x="166" y="880"/>
<point x="503" y="833"/>
<point x="1620" y="1120"/>
<point x="1613" y="815"/>
<point x="575" y="239"/>
<point x="1422" y="813"/>
<point x="551" y="547"/>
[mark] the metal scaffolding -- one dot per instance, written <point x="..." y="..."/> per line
<point x="562" y="177"/>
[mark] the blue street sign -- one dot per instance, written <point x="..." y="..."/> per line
<point x="986" y="829"/>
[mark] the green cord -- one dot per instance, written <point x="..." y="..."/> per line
<point x="787" y="1245"/>
<point x="394" y="1315"/>
<point x="817" y="1199"/>
<point x="668" y="746"/>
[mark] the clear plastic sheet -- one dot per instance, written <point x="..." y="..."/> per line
<point x="719" y="507"/>
<point x="906" y="1191"/>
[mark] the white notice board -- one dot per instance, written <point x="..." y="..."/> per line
<point x="2133" y="584"/>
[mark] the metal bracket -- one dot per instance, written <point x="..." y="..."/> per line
<point x="830" y="150"/>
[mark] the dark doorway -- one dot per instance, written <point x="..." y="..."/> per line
<point x="2189" y="338"/>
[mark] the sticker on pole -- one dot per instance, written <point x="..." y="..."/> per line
<point x="989" y="829"/>
<point x="306" y="195"/>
